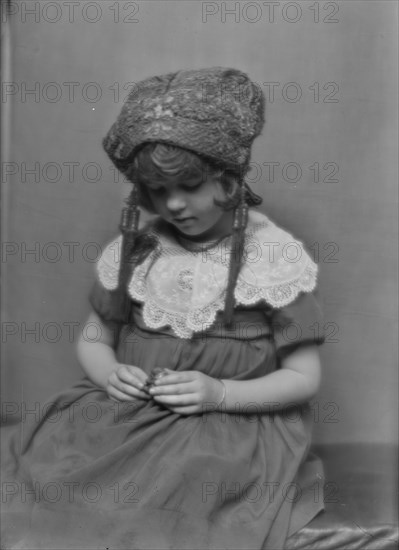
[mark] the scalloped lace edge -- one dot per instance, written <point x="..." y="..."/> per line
<point x="185" y="325"/>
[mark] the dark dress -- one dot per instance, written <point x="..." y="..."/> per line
<point x="137" y="476"/>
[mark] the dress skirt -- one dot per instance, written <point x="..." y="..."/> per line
<point x="98" y="474"/>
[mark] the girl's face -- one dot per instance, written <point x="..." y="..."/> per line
<point x="188" y="204"/>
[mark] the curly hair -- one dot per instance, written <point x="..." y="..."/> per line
<point x="155" y="160"/>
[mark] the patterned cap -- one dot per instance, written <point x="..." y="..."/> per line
<point x="215" y="112"/>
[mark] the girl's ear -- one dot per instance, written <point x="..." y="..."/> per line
<point x="230" y="185"/>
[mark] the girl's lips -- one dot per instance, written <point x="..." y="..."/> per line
<point x="183" y="220"/>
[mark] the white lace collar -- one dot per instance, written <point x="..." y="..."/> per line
<point x="185" y="289"/>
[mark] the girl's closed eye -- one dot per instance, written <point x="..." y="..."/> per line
<point x="157" y="189"/>
<point x="194" y="182"/>
<point x="191" y="186"/>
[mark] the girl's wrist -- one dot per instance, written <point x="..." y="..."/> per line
<point x="222" y="399"/>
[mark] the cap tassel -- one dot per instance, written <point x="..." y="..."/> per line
<point x="237" y="245"/>
<point x="129" y="224"/>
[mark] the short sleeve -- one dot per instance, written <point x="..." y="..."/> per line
<point x="101" y="301"/>
<point x="297" y="324"/>
<point x="103" y="291"/>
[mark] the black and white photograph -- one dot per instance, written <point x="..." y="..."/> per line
<point x="199" y="275"/>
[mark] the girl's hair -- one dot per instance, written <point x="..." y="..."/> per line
<point x="155" y="161"/>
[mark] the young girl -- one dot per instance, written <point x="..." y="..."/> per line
<point x="190" y="429"/>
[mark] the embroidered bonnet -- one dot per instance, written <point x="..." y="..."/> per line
<point x="215" y="112"/>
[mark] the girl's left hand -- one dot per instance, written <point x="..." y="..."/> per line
<point x="187" y="392"/>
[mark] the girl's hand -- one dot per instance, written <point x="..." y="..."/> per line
<point x="126" y="383"/>
<point x="187" y="392"/>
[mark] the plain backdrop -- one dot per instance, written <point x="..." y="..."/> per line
<point x="331" y="130"/>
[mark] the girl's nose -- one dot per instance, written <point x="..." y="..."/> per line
<point x="175" y="203"/>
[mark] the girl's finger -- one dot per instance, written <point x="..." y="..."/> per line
<point x="172" y="389"/>
<point x="185" y="411"/>
<point x="176" y="400"/>
<point x="174" y="378"/>
<point x="134" y="378"/>
<point x="129" y="390"/>
<point x="138" y="373"/>
<point x="117" y="395"/>
<point x="129" y="380"/>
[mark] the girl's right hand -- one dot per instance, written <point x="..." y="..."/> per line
<point x="126" y="383"/>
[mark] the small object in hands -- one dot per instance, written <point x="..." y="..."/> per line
<point x="157" y="372"/>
